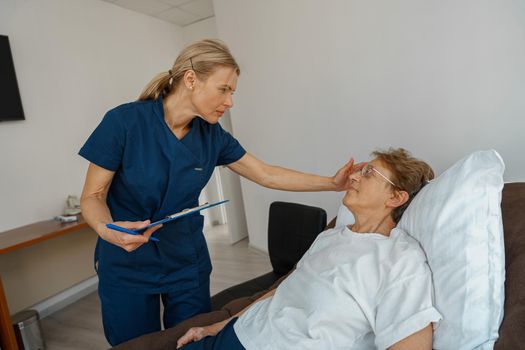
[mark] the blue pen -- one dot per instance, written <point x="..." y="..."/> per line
<point x="125" y="230"/>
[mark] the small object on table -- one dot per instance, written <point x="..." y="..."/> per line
<point x="72" y="206"/>
<point x="66" y="218"/>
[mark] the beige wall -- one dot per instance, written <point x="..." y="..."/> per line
<point x="33" y="274"/>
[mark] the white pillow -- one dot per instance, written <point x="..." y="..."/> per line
<point x="457" y="220"/>
<point x="344" y="217"/>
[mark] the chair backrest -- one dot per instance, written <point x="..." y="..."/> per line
<point x="292" y="228"/>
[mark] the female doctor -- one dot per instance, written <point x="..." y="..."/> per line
<point x="151" y="158"/>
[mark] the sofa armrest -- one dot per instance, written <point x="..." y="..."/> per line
<point x="167" y="339"/>
<point x="512" y="208"/>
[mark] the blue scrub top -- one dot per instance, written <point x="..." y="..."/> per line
<point x="156" y="175"/>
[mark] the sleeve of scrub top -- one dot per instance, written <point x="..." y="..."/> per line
<point x="231" y="150"/>
<point x="405" y="308"/>
<point x="105" y="146"/>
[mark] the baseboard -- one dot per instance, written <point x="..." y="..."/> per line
<point x="257" y="249"/>
<point x="67" y="297"/>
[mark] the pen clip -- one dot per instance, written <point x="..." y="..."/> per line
<point x="187" y="210"/>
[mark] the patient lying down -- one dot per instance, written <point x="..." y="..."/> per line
<point x="364" y="286"/>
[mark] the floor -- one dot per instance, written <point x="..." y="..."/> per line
<point x="79" y="325"/>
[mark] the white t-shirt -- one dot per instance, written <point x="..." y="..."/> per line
<point x="349" y="291"/>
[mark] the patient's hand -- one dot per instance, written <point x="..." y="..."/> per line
<point x="193" y="334"/>
<point x="197" y="333"/>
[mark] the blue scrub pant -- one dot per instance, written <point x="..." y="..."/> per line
<point x="225" y="340"/>
<point x="128" y="315"/>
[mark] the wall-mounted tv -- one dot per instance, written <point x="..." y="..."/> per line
<point x="10" y="102"/>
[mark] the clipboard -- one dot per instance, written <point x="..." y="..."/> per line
<point x="168" y="218"/>
<point x="184" y="212"/>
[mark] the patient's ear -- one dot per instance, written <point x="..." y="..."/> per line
<point x="398" y="198"/>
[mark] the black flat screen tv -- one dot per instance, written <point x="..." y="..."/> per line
<point x="10" y="102"/>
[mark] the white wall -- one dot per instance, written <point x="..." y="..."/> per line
<point x="323" y="81"/>
<point x="223" y="180"/>
<point x="74" y="60"/>
<point x="231" y="187"/>
<point x="197" y="31"/>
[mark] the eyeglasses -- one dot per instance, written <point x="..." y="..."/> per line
<point x="369" y="169"/>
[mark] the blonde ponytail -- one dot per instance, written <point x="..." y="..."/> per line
<point x="155" y="87"/>
<point x="202" y="56"/>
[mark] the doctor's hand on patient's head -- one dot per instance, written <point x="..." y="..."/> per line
<point x="127" y="241"/>
<point x="342" y="179"/>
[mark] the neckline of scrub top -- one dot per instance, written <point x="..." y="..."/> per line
<point x="159" y="111"/>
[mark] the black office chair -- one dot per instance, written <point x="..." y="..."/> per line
<point x="292" y="228"/>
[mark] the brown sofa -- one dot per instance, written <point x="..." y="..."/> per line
<point x="512" y="330"/>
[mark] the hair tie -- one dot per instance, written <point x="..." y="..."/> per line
<point x="170" y="72"/>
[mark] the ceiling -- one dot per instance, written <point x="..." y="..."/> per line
<point x="179" y="12"/>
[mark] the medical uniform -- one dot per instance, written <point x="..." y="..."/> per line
<point x="349" y="291"/>
<point x="156" y="175"/>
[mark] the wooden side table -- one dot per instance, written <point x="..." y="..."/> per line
<point x="19" y="238"/>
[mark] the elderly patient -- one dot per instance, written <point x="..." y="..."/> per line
<point x="364" y="286"/>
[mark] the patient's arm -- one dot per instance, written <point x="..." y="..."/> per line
<point x="197" y="333"/>
<point x="421" y="340"/>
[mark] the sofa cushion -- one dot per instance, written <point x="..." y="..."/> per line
<point x="512" y="334"/>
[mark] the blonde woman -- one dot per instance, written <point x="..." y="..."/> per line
<point x="152" y="158"/>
